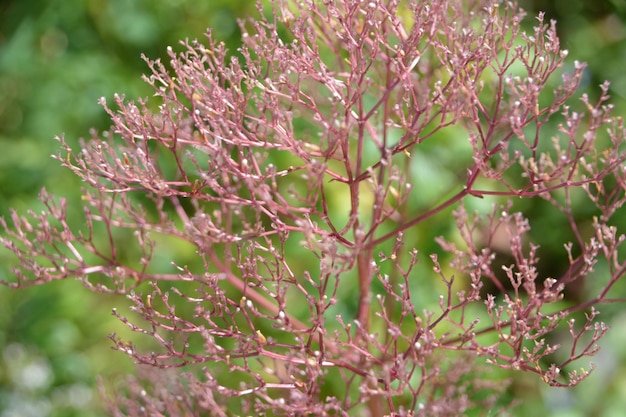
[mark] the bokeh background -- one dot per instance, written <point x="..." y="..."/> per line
<point x="58" y="57"/>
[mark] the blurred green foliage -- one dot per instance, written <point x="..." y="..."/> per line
<point x="57" y="57"/>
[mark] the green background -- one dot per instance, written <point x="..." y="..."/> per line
<point x="57" y="58"/>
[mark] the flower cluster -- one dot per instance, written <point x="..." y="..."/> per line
<point x="273" y="214"/>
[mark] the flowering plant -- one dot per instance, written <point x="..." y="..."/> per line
<point x="264" y="220"/>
